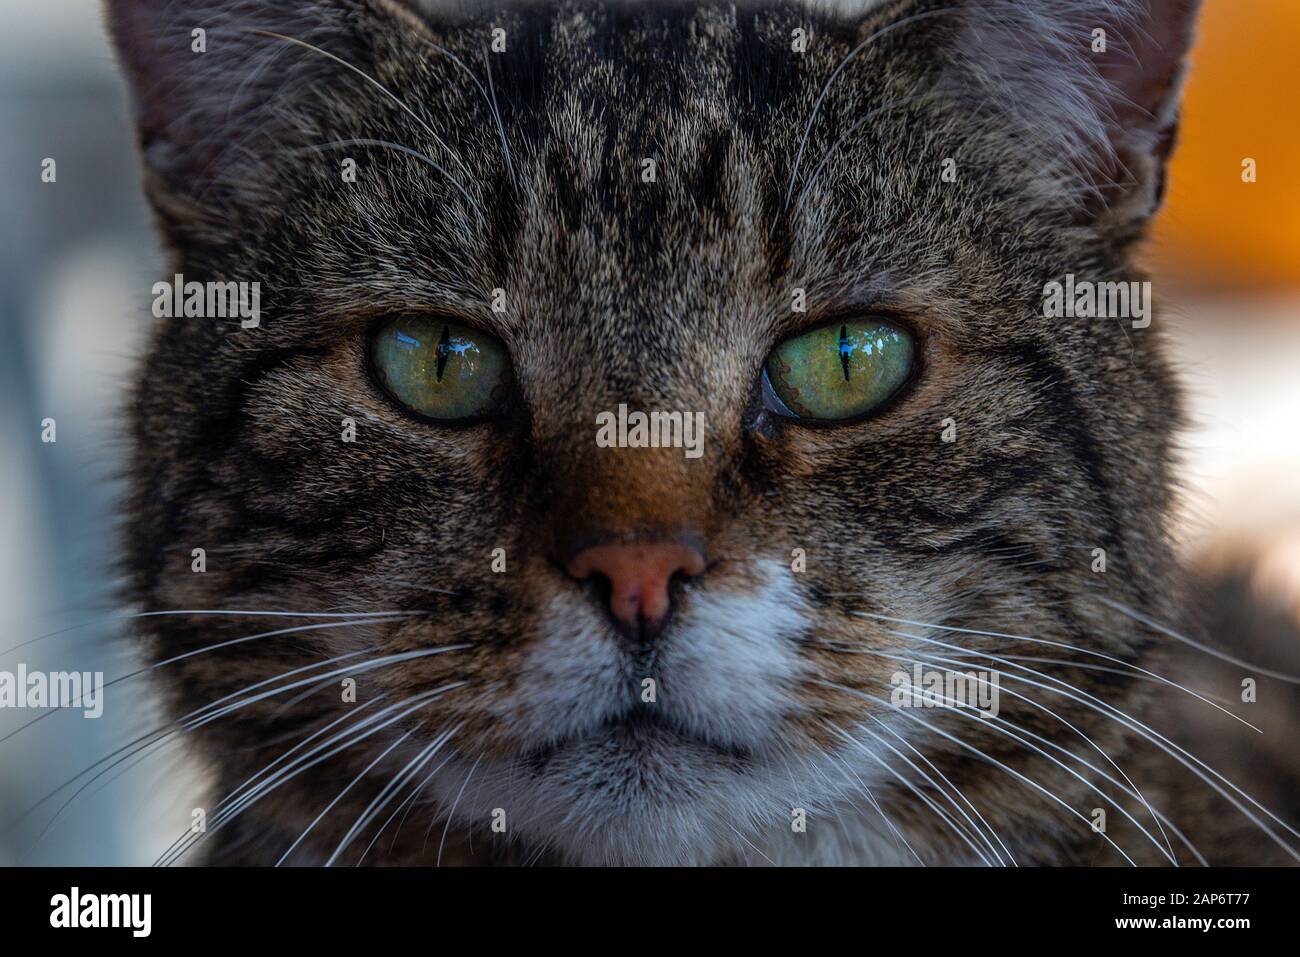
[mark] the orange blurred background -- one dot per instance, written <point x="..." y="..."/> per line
<point x="1218" y="232"/>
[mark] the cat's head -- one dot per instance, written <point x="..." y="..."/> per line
<point x="486" y="238"/>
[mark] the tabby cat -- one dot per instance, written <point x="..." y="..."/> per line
<point x="472" y="593"/>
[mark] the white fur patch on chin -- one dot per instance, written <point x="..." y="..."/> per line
<point x="724" y="669"/>
<point x="607" y="805"/>
<point x="680" y="788"/>
<point x="729" y="663"/>
<point x="711" y="783"/>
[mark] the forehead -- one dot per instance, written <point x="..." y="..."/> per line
<point x="639" y="129"/>
<point x="627" y="153"/>
<point x="647" y="139"/>
<point x="663" y="171"/>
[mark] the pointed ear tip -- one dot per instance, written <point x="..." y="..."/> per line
<point x="1178" y="17"/>
<point x="132" y="19"/>
<point x="125" y="20"/>
<point x="119" y="14"/>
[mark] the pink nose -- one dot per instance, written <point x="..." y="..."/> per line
<point x="638" y="576"/>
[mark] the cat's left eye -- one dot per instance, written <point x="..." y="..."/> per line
<point x="440" y="369"/>
<point x="842" y="370"/>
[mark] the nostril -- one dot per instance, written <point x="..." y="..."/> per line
<point x="601" y="585"/>
<point x="638" y="577"/>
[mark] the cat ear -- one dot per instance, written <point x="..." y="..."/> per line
<point x="210" y="86"/>
<point x="1142" y="81"/>
<point x="1100" y="81"/>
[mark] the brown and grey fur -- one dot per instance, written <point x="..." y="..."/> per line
<point x="668" y="295"/>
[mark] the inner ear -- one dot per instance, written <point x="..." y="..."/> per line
<point x="1142" y="74"/>
<point x="1095" y="85"/>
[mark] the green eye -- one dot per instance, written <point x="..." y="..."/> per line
<point x="841" y="370"/>
<point x="440" y="369"/>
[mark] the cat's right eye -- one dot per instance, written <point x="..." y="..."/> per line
<point x="439" y="369"/>
<point x="840" y="371"/>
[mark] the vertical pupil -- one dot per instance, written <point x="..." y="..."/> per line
<point x="444" y="350"/>
<point x="846" y="349"/>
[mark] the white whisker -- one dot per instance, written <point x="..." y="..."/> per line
<point x="933" y="805"/>
<point x="1213" y="652"/>
<point x="1060" y="644"/>
<point x="366" y="770"/>
<point x="970" y="747"/>
<point x="452" y="812"/>
<point x="383" y="797"/>
<point x="1175" y="751"/>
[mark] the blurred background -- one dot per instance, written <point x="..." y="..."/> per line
<point x="79" y="259"/>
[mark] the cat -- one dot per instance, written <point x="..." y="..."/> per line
<point x="497" y="640"/>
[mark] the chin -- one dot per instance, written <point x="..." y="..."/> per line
<point x="636" y="793"/>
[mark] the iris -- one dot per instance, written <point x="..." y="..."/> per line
<point x="841" y="370"/>
<point x="440" y="369"/>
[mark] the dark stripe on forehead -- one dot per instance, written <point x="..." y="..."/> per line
<point x="523" y="74"/>
<point x="775" y="89"/>
<point x="687" y="86"/>
<point x="707" y="181"/>
<point x="766" y="71"/>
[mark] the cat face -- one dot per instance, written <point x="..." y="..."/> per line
<point x="638" y="205"/>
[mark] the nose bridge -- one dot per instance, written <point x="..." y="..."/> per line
<point x="628" y="495"/>
<point x="629" y="451"/>
<point x="631" y="522"/>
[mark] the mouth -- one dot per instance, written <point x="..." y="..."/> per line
<point x="641" y="733"/>
<point x="637" y="788"/>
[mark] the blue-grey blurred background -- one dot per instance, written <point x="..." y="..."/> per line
<point x="79" y="259"/>
<point x="77" y="264"/>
